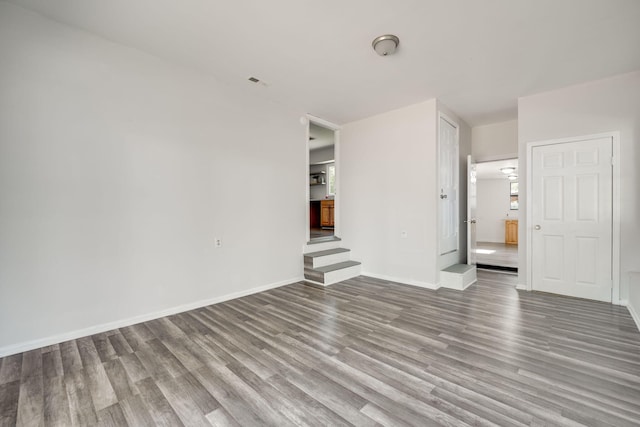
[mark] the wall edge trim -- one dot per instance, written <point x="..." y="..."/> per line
<point x="403" y="281"/>
<point x="104" y="327"/>
<point x="635" y="315"/>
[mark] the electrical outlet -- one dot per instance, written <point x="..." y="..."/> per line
<point x="217" y="242"/>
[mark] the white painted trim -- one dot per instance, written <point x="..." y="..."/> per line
<point x="403" y="281"/>
<point x="56" y="339"/>
<point x="456" y="175"/>
<point x="322" y="122"/>
<point x="469" y="284"/>
<point x="316" y="283"/>
<point x="476" y="161"/>
<point x="521" y="287"/>
<point x="527" y="218"/>
<point x="456" y="288"/>
<point x="615" y="235"/>
<point x="633" y="312"/>
<point x="307" y="188"/>
<point x="616" y="232"/>
<point x="337" y="195"/>
<point x="487" y="159"/>
<point x="491" y="161"/>
<point x="321" y="246"/>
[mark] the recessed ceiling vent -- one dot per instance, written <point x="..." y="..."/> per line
<point x="258" y="81"/>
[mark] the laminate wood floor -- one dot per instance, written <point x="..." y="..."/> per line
<point x="315" y="233"/>
<point x="497" y="254"/>
<point x="362" y="352"/>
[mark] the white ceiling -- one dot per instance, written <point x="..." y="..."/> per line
<point x="491" y="170"/>
<point x="477" y="57"/>
<point x="321" y="137"/>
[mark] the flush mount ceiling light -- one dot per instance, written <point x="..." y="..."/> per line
<point x="512" y="177"/>
<point x="508" y="170"/>
<point x="385" y="45"/>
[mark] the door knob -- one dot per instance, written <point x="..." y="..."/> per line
<point x="537" y="227"/>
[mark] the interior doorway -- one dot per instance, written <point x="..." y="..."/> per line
<point x="322" y="181"/>
<point x="495" y="220"/>
<point x="571" y="212"/>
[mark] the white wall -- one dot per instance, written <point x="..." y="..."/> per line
<point x="117" y="170"/>
<point x="388" y="185"/>
<point x="601" y="106"/>
<point x="495" y="141"/>
<point x="493" y="208"/>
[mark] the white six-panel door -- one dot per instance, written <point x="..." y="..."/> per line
<point x="448" y="180"/>
<point x="572" y="218"/>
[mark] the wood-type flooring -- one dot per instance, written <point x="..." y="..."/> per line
<point x="361" y="352"/>
<point x="497" y="254"/>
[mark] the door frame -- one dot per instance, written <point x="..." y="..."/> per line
<point x="475" y="161"/>
<point x="336" y="144"/>
<point x="615" y="201"/>
<point x="472" y="182"/>
<point x="452" y="257"/>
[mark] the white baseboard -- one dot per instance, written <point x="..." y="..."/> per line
<point x="313" y="282"/>
<point x="410" y="282"/>
<point x="457" y="288"/>
<point x="634" y="313"/>
<point x="56" y="339"/>
<point x="469" y="284"/>
<point x="521" y="287"/>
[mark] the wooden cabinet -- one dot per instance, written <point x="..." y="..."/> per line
<point x="326" y="213"/>
<point x="511" y="232"/>
<point x="314" y="214"/>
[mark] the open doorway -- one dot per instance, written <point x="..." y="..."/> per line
<point x="322" y="182"/>
<point x="497" y="208"/>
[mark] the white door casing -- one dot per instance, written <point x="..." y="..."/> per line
<point x="306" y="121"/>
<point x="472" y="203"/>
<point x="571" y="218"/>
<point x="448" y="185"/>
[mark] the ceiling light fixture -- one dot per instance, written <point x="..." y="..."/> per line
<point x="385" y="45"/>
<point x="512" y="177"/>
<point x="508" y="170"/>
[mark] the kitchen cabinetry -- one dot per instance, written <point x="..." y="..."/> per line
<point x="511" y="232"/>
<point x="326" y="213"/>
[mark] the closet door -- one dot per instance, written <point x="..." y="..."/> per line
<point x="448" y="180"/>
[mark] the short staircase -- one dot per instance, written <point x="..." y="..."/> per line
<point x="326" y="263"/>
<point x="458" y="276"/>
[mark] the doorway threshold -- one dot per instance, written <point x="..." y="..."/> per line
<point x="323" y="240"/>
<point x="498" y="268"/>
